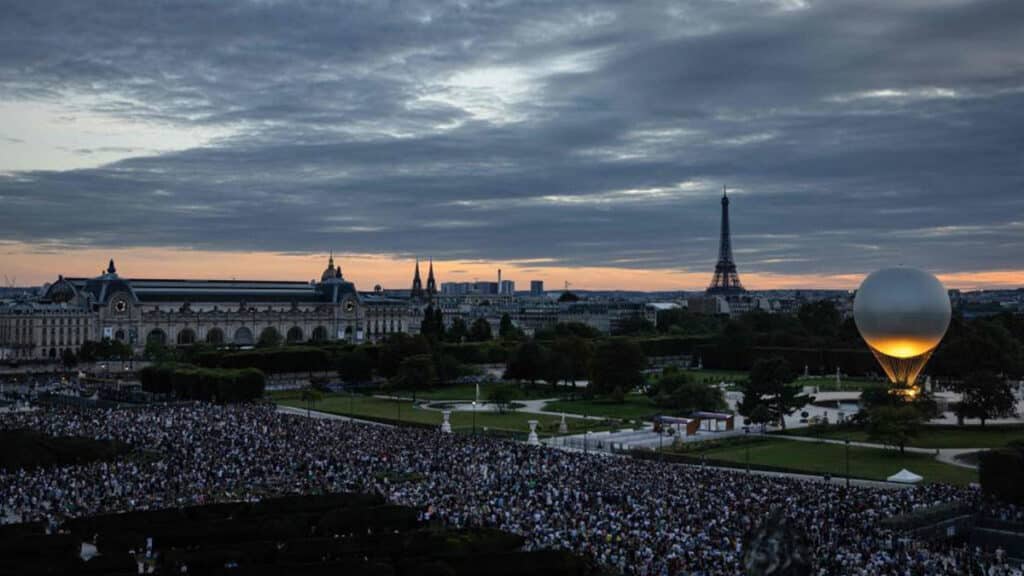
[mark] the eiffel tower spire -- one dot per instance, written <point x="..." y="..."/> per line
<point x="726" y="280"/>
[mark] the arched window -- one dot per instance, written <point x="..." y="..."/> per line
<point x="186" y="337"/>
<point x="157" y="337"/>
<point x="319" y="334"/>
<point x="215" y="336"/>
<point x="119" y="335"/>
<point x="294" y="335"/>
<point x="243" y="337"/>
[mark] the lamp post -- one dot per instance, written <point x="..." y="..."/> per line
<point x="847" y="462"/>
<point x="474" y="417"/>
<point x="746" y="434"/>
<point x="586" y="437"/>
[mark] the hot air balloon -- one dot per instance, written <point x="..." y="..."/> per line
<point x="902" y="314"/>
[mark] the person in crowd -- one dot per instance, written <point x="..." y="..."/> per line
<point x="635" y="516"/>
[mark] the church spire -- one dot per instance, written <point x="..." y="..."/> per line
<point x="111" y="269"/>
<point x="417" y="284"/>
<point x="431" y="283"/>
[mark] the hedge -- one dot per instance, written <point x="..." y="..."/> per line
<point x="189" y="382"/>
<point x="271" y="360"/>
<point x="1001" y="473"/>
<point x="479" y="352"/>
<point x="672" y="345"/>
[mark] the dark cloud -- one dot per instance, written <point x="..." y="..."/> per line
<point x="854" y="133"/>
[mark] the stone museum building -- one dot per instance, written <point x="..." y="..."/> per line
<point x="220" y="312"/>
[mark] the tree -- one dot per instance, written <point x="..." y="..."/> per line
<point x="769" y="385"/>
<point x="676" y="391"/>
<point x="269" y="338"/>
<point x="501" y="397"/>
<point x="505" y="328"/>
<point x="415" y="373"/>
<point x="397" y="348"/>
<point x="527" y="362"/>
<point x="761" y="416"/>
<point x="570" y="357"/>
<point x="458" y="330"/>
<point x="820" y="318"/>
<point x="447" y="367"/>
<point x="68" y="359"/>
<point x="633" y="325"/>
<point x="480" y="330"/>
<point x="311" y="396"/>
<point x="985" y="396"/>
<point x="355" y="366"/>
<point x="432" y="324"/>
<point x="157" y="352"/>
<point x="894" y="425"/>
<point x="979" y="345"/>
<point x="616" y="368"/>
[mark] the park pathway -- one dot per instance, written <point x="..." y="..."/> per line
<point x="528" y="406"/>
<point x="944" y="455"/>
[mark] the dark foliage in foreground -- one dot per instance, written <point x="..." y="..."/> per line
<point x="27" y="449"/>
<point x="352" y="534"/>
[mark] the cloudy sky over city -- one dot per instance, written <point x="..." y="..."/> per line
<point x="562" y="140"/>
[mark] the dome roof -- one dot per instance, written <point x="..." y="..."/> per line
<point x="330" y="273"/>
<point x="61" y="291"/>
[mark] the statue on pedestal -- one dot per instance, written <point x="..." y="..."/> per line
<point x="533" y="440"/>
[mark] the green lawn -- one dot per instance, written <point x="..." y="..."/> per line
<point x="827" y="384"/>
<point x="468" y="392"/>
<point x="367" y="406"/>
<point x="937" y="436"/>
<point x="716" y="376"/>
<point x="871" y="463"/>
<point x="635" y="406"/>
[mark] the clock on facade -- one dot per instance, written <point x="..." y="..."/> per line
<point x="349" y="306"/>
<point x="121" y="306"/>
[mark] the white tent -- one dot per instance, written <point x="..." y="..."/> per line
<point x="905" y="477"/>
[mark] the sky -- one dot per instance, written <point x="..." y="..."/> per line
<point x="580" y="142"/>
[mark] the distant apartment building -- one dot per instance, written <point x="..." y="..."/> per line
<point x="536" y="287"/>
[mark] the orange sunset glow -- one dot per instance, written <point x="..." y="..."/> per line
<point x="25" y="265"/>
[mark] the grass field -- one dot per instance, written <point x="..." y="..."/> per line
<point x="716" y="376"/>
<point x="937" y="436"/>
<point x="635" y="406"/>
<point x="468" y="392"/>
<point x="367" y="406"/>
<point x="847" y="385"/>
<point x="871" y="463"/>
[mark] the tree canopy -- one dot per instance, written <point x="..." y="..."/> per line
<point x="616" y="368"/>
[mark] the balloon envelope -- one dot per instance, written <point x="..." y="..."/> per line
<point x="902" y="312"/>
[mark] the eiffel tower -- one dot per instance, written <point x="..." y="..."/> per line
<point x="726" y="281"/>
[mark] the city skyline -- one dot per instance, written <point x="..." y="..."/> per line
<point x="581" y="142"/>
<point x="366" y="271"/>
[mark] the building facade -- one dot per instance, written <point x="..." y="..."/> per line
<point x="175" y="312"/>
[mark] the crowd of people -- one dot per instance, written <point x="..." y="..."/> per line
<point x="635" y="516"/>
